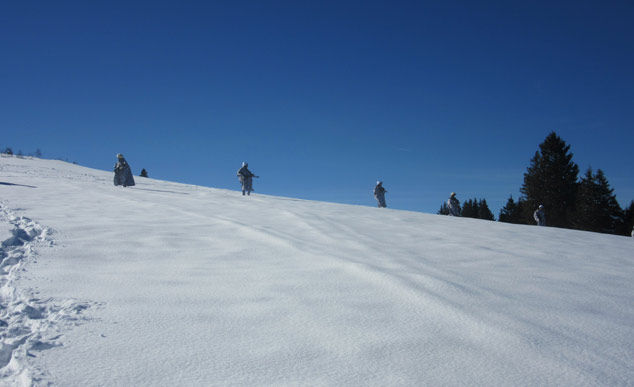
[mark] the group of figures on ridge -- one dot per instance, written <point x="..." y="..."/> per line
<point x="453" y="204"/>
<point x="123" y="176"/>
<point x="454" y="210"/>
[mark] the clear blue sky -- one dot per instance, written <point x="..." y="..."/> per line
<point x="324" y="98"/>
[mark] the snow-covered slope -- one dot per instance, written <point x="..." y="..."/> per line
<point x="167" y="284"/>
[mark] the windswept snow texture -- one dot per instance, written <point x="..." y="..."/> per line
<point x="205" y="287"/>
<point x="28" y="324"/>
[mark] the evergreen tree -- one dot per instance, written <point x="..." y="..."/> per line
<point x="483" y="211"/>
<point x="8" y="151"/>
<point x="551" y="180"/>
<point x="597" y="209"/>
<point x="444" y="210"/>
<point x="143" y="173"/>
<point x="512" y="212"/>
<point x="628" y="220"/>
<point x="469" y="209"/>
<point x="478" y="209"/>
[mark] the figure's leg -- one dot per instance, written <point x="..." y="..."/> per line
<point x="381" y="199"/>
<point x="249" y="185"/>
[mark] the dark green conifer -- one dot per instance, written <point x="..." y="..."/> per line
<point x="470" y="209"/>
<point x="597" y="208"/>
<point x="551" y="180"/>
<point x="478" y="209"/>
<point x="484" y="212"/>
<point x="512" y="212"/>
<point x="444" y="210"/>
<point x="628" y="220"/>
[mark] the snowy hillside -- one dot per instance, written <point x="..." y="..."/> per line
<point x="166" y="284"/>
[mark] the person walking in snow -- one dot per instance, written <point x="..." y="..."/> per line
<point x="246" y="179"/>
<point x="122" y="173"/>
<point x="540" y="216"/>
<point x="453" y="204"/>
<point x="379" y="194"/>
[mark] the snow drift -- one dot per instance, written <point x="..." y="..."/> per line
<point x="168" y="284"/>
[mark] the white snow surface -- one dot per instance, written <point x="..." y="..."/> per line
<point x="167" y="284"/>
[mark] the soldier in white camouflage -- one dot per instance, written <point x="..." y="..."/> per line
<point x="540" y="216"/>
<point x="379" y="194"/>
<point x="453" y="204"/>
<point x="246" y="178"/>
<point x="122" y="173"/>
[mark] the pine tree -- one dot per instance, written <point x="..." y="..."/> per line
<point x="478" y="209"/>
<point x="628" y="220"/>
<point x="551" y="180"/>
<point x="469" y="209"/>
<point x="483" y="211"/>
<point x="444" y="210"/>
<point x="143" y="173"/>
<point x="511" y="212"/>
<point x="597" y="208"/>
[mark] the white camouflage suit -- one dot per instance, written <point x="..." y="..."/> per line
<point x="379" y="194"/>
<point x="453" y="204"/>
<point x="246" y="179"/>
<point x="540" y="216"/>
